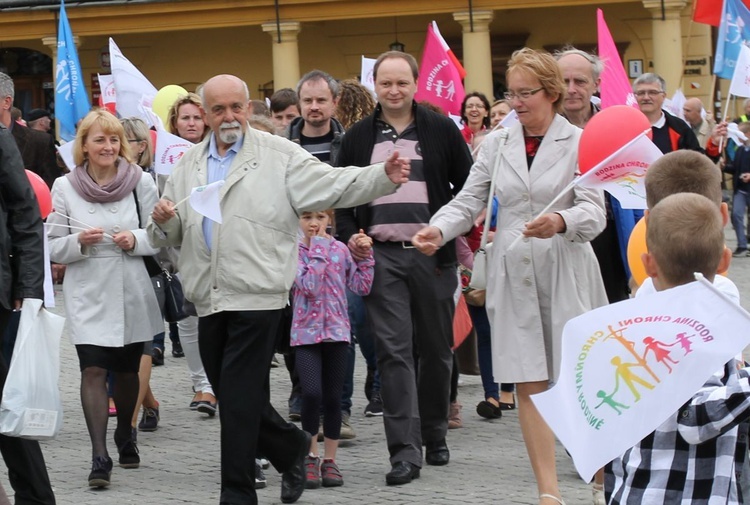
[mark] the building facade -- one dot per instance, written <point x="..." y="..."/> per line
<point x="271" y="43"/>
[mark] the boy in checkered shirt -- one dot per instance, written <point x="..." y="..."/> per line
<point x="695" y="456"/>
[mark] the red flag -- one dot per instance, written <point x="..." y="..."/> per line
<point x="615" y="86"/>
<point x="440" y="74"/>
<point x="709" y="11"/>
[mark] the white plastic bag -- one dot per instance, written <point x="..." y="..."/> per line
<point x="31" y="406"/>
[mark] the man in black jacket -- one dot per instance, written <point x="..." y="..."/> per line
<point x="411" y="303"/>
<point x="21" y="276"/>
<point x="37" y="148"/>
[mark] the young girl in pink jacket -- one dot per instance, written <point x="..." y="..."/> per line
<point x="321" y="334"/>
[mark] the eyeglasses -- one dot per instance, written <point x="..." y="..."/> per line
<point x="135" y="140"/>
<point x="648" y="92"/>
<point x="474" y="106"/>
<point x="522" y="95"/>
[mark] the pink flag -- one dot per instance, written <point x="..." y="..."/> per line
<point x="615" y="86"/>
<point x="439" y="77"/>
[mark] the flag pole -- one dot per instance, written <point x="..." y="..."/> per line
<point x="578" y="180"/>
<point x="724" y="119"/>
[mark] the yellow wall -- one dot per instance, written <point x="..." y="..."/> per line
<point x="189" y="57"/>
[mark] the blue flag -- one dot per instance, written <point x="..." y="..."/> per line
<point x="71" y="100"/>
<point x="734" y="30"/>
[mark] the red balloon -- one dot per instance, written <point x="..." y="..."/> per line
<point x="43" y="195"/>
<point x="607" y="132"/>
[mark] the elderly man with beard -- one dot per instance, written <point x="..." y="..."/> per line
<point x="239" y="273"/>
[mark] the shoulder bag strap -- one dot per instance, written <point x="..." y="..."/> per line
<point x="488" y="215"/>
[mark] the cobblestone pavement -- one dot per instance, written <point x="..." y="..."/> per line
<point x="180" y="461"/>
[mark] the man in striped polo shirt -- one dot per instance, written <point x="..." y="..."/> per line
<point x="411" y="303"/>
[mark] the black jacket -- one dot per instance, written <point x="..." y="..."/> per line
<point x="21" y="229"/>
<point x="38" y="152"/>
<point x="446" y="160"/>
<point x="295" y="131"/>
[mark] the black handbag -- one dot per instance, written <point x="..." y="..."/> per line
<point x="174" y="299"/>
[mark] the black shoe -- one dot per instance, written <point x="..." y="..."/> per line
<point x="488" y="410"/>
<point x="375" y="406"/>
<point x="437" y="453"/>
<point x="368" y="383"/>
<point x="101" y="471"/>
<point x="177" y="351"/>
<point x="157" y="356"/>
<point x="149" y="420"/>
<point x="293" y="480"/>
<point x="128" y="451"/>
<point x="207" y="407"/>
<point x="402" y="472"/>
<point x="260" y="477"/>
<point x="739" y="252"/>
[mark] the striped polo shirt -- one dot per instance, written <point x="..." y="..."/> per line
<point x="397" y="217"/>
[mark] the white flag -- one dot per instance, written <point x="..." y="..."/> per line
<point x="205" y="200"/>
<point x="66" y="153"/>
<point x="169" y="150"/>
<point x="740" y="85"/>
<point x="510" y="119"/>
<point x="107" y="88"/>
<point x="367" y="78"/>
<point x="131" y="86"/>
<point x="623" y="173"/>
<point x="734" y="133"/>
<point x="674" y="105"/>
<point x="629" y="366"/>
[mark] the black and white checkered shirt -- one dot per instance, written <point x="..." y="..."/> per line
<point x="695" y="456"/>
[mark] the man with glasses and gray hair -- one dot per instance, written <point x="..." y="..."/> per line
<point x="670" y="132"/>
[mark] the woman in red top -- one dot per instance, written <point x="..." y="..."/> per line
<point x="475" y="115"/>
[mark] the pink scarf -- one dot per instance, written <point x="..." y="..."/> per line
<point x="118" y="188"/>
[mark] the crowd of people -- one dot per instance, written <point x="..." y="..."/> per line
<point x="345" y="220"/>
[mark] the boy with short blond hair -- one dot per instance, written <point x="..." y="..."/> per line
<point x="695" y="456"/>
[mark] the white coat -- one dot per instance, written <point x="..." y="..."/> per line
<point x="537" y="286"/>
<point x="109" y="298"/>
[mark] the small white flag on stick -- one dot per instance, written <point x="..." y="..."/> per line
<point x="205" y="200"/>
<point x="368" y="81"/>
<point x="66" y="153"/>
<point x="734" y="133"/>
<point x="623" y="173"/>
<point x="169" y="149"/>
<point x="740" y="85"/>
<point x="510" y="119"/>
<point x="629" y="366"/>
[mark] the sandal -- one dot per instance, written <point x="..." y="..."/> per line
<point x="551" y="497"/>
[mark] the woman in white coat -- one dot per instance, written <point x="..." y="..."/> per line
<point x="551" y="274"/>
<point x="109" y="299"/>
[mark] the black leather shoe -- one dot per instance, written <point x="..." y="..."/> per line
<point x="437" y="453"/>
<point x="402" y="472"/>
<point x="293" y="480"/>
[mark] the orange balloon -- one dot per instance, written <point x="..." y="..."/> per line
<point x="726" y="271"/>
<point x="636" y="248"/>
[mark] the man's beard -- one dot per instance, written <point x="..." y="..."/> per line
<point x="230" y="132"/>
